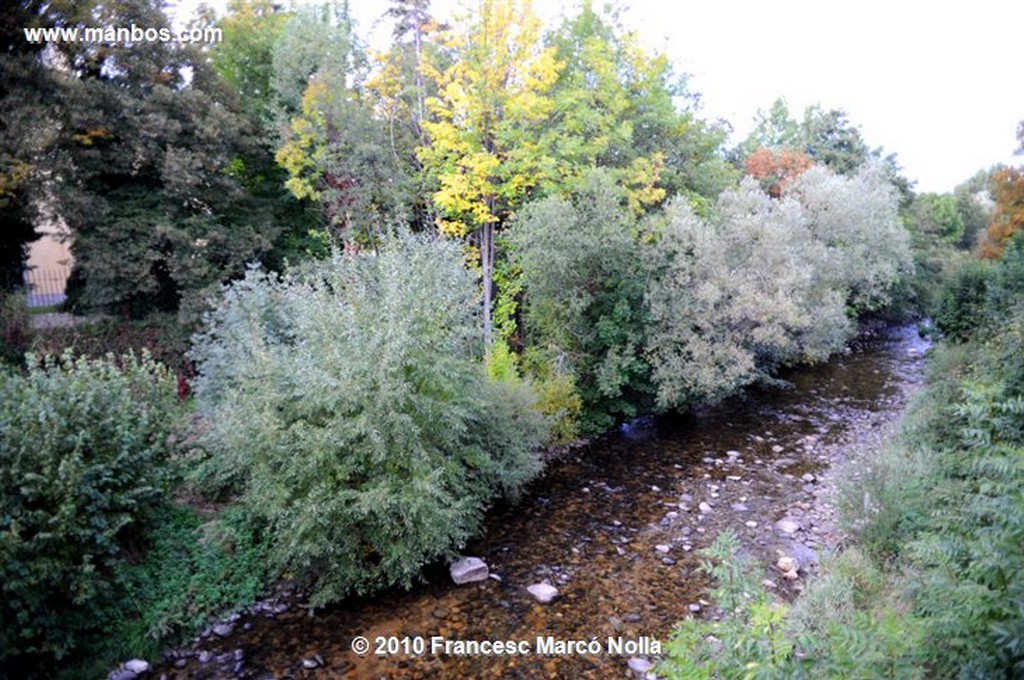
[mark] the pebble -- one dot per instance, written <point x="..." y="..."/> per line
<point x="787" y="525"/>
<point x="751" y="523"/>
<point x="695" y="608"/>
<point x="205" y="656"/>
<point x="662" y="548"/>
<point x="639" y="665"/>
<point x="223" y="629"/>
<point x="739" y="507"/>
<point x="543" y="592"/>
<point x="704" y="507"/>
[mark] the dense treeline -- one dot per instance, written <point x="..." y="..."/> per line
<point x="492" y="235"/>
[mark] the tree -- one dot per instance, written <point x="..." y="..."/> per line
<point x="245" y="56"/>
<point x="857" y="219"/>
<point x="830" y="139"/>
<point x="584" y="280"/>
<point x="617" y="106"/>
<point x="776" y="169"/>
<point x="774" y="129"/>
<point x="139" y="151"/>
<point x="26" y="133"/>
<point x="736" y="295"/>
<point x="1008" y="214"/>
<point x="491" y="102"/>
<point x="937" y="216"/>
<point x="398" y="91"/>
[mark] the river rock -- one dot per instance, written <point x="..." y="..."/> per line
<point x="801" y="553"/>
<point x="223" y="629"/>
<point x="543" y="592"/>
<point x="469" y="570"/>
<point x="129" y="670"/>
<point x="787" y="525"/>
<point x="639" y="665"/>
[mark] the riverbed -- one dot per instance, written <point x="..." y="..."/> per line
<point x="614" y="526"/>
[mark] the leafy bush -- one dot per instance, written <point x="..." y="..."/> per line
<point x="82" y="443"/>
<point x="734" y="296"/>
<point x="963" y="303"/>
<point x="748" y="642"/>
<point x="347" y="406"/>
<point x="584" y="280"/>
<point x="162" y="335"/>
<point x="766" y="282"/>
<point x="14" y="328"/>
<point x="856" y="219"/>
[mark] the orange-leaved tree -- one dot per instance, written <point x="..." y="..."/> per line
<point x="775" y="169"/>
<point x="1008" y="215"/>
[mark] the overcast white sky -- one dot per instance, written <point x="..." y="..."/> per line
<point x="939" y="83"/>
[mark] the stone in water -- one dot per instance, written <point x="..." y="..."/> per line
<point x="469" y="570"/>
<point x="543" y="592"/>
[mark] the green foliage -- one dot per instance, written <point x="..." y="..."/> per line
<point x="963" y="306"/>
<point x="734" y="296"/>
<point x="943" y="512"/>
<point x="748" y="642"/>
<point x="856" y="219"/>
<point x="584" y="278"/>
<point x="980" y="296"/>
<point x="884" y="501"/>
<point x="937" y="216"/>
<point x="192" y="571"/>
<point x="83" y="444"/>
<point x="14" y="327"/>
<point x="347" y="407"/>
<point x="161" y="335"/>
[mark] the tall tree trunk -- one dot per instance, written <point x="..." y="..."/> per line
<point x="487" y="264"/>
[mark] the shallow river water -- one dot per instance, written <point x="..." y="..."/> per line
<point x="615" y="527"/>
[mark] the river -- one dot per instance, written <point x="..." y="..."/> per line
<point x="615" y="526"/>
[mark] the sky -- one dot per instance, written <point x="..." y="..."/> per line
<point x="940" y="84"/>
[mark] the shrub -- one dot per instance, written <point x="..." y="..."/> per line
<point x="584" y="282"/>
<point x="734" y="296"/>
<point x="14" y="327"/>
<point x="347" y="406"/>
<point x="82" y="444"/>
<point x="963" y="303"/>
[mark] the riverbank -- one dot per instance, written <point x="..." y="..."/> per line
<point x="615" y="529"/>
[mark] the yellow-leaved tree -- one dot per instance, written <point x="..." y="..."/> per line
<point x="491" y="102"/>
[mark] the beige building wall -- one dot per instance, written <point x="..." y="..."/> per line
<point x="49" y="264"/>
